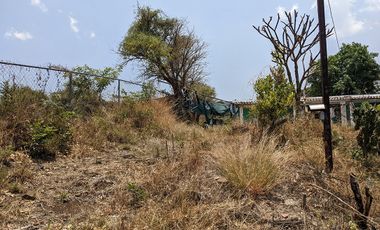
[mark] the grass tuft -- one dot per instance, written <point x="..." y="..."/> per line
<point x="256" y="169"/>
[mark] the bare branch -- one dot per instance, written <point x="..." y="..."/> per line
<point x="293" y="45"/>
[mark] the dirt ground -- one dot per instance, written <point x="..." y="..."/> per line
<point x="92" y="193"/>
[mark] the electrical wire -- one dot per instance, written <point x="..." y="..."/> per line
<point x="333" y="21"/>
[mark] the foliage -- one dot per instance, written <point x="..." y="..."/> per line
<point x="147" y="92"/>
<point x="165" y="49"/>
<point x="138" y="194"/>
<point x="203" y="89"/>
<point x="367" y="120"/>
<point x="34" y="123"/>
<point x="352" y="70"/>
<point x="83" y="91"/>
<point x="274" y="97"/>
<point x="48" y="138"/>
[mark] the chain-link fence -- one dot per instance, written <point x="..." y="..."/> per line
<point x="51" y="80"/>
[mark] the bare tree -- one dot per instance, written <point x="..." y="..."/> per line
<point x="293" y="38"/>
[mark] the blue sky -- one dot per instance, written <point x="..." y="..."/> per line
<point x="73" y="32"/>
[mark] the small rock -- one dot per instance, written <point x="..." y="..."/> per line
<point x="285" y="215"/>
<point x="290" y="202"/>
<point x="220" y="179"/>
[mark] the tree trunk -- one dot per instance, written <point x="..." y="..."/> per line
<point x="297" y="108"/>
<point x="181" y="104"/>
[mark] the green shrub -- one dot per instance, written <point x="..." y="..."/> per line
<point x="367" y="120"/>
<point x="48" y="138"/>
<point x="33" y="123"/>
<point x="274" y="98"/>
<point x="138" y="194"/>
<point x="83" y="91"/>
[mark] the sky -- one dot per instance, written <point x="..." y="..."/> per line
<point x="72" y="33"/>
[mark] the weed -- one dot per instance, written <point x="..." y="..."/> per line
<point x="15" y="188"/>
<point x="64" y="197"/>
<point x="138" y="194"/>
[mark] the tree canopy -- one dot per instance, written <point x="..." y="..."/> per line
<point x="165" y="49"/>
<point x="353" y="70"/>
<point x="203" y="89"/>
<point x="275" y="97"/>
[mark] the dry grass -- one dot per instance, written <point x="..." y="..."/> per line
<point x="21" y="170"/>
<point x="152" y="172"/>
<point x="256" y="168"/>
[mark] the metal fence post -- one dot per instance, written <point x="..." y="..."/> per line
<point x="118" y="91"/>
<point x="70" y="88"/>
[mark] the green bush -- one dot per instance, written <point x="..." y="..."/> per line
<point x="48" y="138"/>
<point x="274" y="98"/>
<point x="138" y="194"/>
<point x="83" y="91"/>
<point x="367" y="120"/>
<point x="33" y="123"/>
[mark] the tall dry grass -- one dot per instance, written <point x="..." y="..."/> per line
<point x="121" y="125"/>
<point x="255" y="169"/>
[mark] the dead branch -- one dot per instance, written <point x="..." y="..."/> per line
<point x="362" y="208"/>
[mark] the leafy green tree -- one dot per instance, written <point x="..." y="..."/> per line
<point x="203" y="90"/>
<point x="353" y="70"/>
<point x="275" y="98"/>
<point x="367" y="120"/>
<point x="165" y="50"/>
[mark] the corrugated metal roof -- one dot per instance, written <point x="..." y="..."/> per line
<point x="338" y="99"/>
<point x="243" y="102"/>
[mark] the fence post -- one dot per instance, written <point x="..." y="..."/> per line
<point x="118" y="91"/>
<point x="70" y="88"/>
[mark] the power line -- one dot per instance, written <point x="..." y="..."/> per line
<point x="333" y="21"/>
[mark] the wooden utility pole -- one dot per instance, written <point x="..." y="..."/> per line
<point x="325" y="87"/>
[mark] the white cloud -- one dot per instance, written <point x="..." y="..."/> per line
<point x="92" y="35"/>
<point x="347" y="22"/>
<point x="39" y="4"/>
<point x="74" y="24"/>
<point x="23" y="36"/>
<point x="281" y="10"/>
<point x="294" y="7"/>
<point x="314" y="5"/>
<point x="371" y="6"/>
